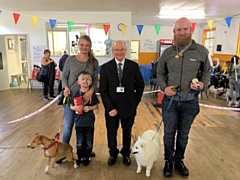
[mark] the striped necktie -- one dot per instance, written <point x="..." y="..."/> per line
<point x="120" y="72"/>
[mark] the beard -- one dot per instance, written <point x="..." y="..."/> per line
<point x="182" y="40"/>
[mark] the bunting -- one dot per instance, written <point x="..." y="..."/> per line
<point x="34" y="20"/>
<point x="193" y="24"/>
<point x="157" y="28"/>
<point x="106" y="28"/>
<point x="0" y="11"/>
<point x="16" y="17"/>
<point x="88" y="25"/>
<point x="123" y="28"/>
<point x="228" y="21"/>
<point x="70" y="25"/>
<point x="210" y="23"/>
<point x="139" y="28"/>
<point x="52" y="23"/>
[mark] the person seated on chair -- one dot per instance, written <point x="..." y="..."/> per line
<point x="216" y="69"/>
<point x="153" y="77"/>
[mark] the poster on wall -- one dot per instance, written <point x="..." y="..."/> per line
<point x="38" y="52"/>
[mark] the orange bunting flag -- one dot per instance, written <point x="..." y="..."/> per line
<point x="106" y="28"/>
<point x="123" y="28"/>
<point x="193" y="24"/>
<point x="210" y="23"/>
<point x="16" y="17"/>
<point x="34" y="20"/>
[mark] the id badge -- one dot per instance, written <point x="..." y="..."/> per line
<point x="120" y="89"/>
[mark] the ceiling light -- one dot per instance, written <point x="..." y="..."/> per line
<point x="172" y="14"/>
<point x="65" y="25"/>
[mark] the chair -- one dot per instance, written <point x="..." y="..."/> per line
<point x="33" y="77"/>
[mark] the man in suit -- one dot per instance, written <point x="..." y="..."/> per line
<point x="121" y="88"/>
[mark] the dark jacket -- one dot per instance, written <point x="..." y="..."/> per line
<point x="180" y="71"/>
<point x="62" y="61"/>
<point x="127" y="102"/>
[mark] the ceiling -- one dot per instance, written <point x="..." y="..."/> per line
<point x="144" y="12"/>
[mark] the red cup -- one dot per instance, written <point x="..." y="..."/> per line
<point x="78" y="100"/>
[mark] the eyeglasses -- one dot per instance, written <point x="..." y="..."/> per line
<point x="119" y="50"/>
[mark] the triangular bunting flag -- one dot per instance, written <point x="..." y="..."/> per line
<point x="157" y="28"/>
<point x="123" y="28"/>
<point x="0" y="11"/>
<point x="88" y="27"/>
<point x="34" y="20"/>
<point x="16" y="17"/>
<point x="193" y="24"/>
<point x="52" y="23"/>
<point x="139" y="27"/>
<point x="228" y="21"/>
<point x="210" y="23"/>
<point x="106" y="28"/>
<point x="70" y="25"/>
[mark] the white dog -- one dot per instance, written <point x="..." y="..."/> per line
<point x="214" y="92"/>
<point x="146" y="150"/>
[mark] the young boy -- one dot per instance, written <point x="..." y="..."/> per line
<point x="84" y="121"/>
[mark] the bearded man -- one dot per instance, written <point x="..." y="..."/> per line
<point x="183" y="70"/>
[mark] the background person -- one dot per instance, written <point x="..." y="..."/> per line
<point x="216" y="69"/>
<point x="61" y="66"/>
<point x="48" y="66"/>
<point x="121" y="89"/>
<point x="84" y="61"/>
<point x="177" y="66"/>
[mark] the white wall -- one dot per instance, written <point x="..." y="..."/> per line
<point x="38" y="35"/>
<point x="148" y="38"/>
<point x="227" y="37"/>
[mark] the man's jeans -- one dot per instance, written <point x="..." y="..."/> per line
<point x="84" y="141"/>
<point x="178" y="119"/>
<point x="68" y="124"/>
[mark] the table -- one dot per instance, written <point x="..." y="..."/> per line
<point x="146" y="72"/>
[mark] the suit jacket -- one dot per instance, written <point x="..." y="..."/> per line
<point x="132" y="81"/>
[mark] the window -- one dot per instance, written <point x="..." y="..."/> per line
<point x="60" y="39"/>
<point x="209" y="39"/>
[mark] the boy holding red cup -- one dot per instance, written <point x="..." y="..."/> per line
<point x="84" y="118"/>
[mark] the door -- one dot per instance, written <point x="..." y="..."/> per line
<point x="24" y="55"/>
<point x="4" y="82"/>
<point x="135" y="50"/>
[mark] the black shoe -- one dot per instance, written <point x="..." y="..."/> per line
<point x="126" y="161"/>
<point x="167" y="171"/>
<point x="52" y="97"/>
<point x="92" y="154"/>
<point x="59" y="161"/>
<point x="181" y="168"/>
<point x="79" y="161"/>
<point x="86" y="161"/>
<point x="112" y="160"/>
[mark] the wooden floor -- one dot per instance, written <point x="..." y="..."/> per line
<point x="212" y="152"/>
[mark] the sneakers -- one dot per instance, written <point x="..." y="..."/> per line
<point x="86" y="161"/>
<point x="181" y="168"/>
<point x="167" y="171"/>
<point x="52" y="97"/>
<point x="237" y="104"/>
<point x="46" y="98"/>
<point x="230" y="103"/>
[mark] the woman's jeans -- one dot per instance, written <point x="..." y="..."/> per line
<point x="68" y="124"/>
<point x="177" y="122"/>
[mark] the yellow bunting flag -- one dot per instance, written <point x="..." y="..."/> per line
<point x="123" y="28"/>
<point x="210" y="23"/>
<point x="34" y="20"/>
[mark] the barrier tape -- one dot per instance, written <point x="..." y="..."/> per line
<point x="147" y="92"/>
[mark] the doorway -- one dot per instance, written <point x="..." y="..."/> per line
<point x="15" y="57"/>
<point x="135" y="48"/>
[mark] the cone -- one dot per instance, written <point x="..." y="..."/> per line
<point x="159" y="100"/>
